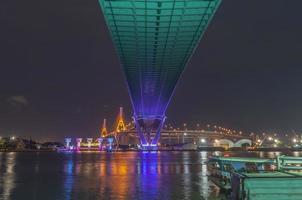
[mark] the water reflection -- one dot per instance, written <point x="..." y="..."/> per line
<point x="204" y="182"/>
<point x="68" y="179"/>
<point x="149" y="170"/>
<point x="7" y="180"/>
<point x="184" y="165"/>
<point x="119" y="175"/>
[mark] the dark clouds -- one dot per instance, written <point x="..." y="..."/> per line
<point x="58" y="55"/>
<point x="17" y="101"/>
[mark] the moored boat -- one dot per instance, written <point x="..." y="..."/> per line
<point x="284" y="183"/>
<point x="220" y="168"/>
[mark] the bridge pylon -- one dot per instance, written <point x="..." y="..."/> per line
<point x="104" y="131"/>
<point x="120" y="122"/>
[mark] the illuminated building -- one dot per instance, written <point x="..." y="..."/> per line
<point x="67" y="142"/>
<point x="100" y="140"/>
<point x="79" y="141"/>
<point x="89" y="141"/>
<point x="154" y="40"/>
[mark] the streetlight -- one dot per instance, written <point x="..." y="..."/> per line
<point x="183" y="137"/>
<point x="197" y="126"/>
<point x="270" y="138"/>
<point x="294" y="140"/>
<point x="202" y="140"/>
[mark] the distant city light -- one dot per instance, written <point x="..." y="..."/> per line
<point x="258" y="140"/>
<point x="202" y="140"/>
<point x="185" y="134"/>
<point x="13" y="138"/>
<point x="276" y="140"/>
<point x="216" y="141"/>
<point x="270" y="138"/>
<point x="295" y="140"/>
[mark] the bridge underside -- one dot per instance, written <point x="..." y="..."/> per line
<point x="154" y="40"/>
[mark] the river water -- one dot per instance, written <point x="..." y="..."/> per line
<point x="118" y="175"/>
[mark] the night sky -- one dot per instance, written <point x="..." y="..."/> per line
<point x="60" y="75"/>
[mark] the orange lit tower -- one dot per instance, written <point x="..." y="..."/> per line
<point x="120" y="122"/>
<point x="104" y="131"/>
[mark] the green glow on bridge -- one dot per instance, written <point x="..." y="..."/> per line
<point x="154" y="40"/>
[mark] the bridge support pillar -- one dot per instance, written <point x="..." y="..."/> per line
<point x="149" y="129"/>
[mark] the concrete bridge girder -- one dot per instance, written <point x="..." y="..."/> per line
<point x="212" y="138"/>
<point x="226" y="143"/>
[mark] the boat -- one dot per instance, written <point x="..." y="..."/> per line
<point x="284" y="183"/>
<point x="220" y="168"/>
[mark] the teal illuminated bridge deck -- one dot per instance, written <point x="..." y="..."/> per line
<point x="154" y="40"/>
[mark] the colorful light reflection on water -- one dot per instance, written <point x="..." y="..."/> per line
<point x="119" y="175"/>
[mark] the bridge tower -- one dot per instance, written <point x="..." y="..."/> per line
<point x="120" y="122"/>
<point x="104" y="131"/>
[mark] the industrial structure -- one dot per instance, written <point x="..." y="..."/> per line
<point x="155" y="40"/>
